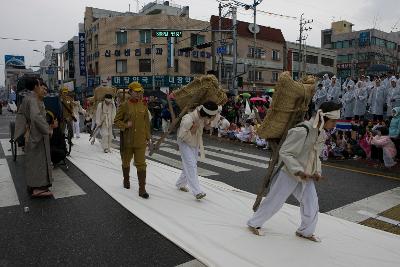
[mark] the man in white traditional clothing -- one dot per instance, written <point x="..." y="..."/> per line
<point x="361" y="99"/>
<point x="223" y="126"/>
<point x="320" y="96"/>
<point x="301" y="166"/>
<point x="349" y="100"/>
<point x="393" y="97"/>
<point x="190" y="142"/>
<point x="334" y="91"/>
<point x="77" y="109"/>
<point x="376" y="100"/>
<point x="105" y="115"/>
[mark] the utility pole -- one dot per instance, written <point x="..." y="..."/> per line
<point x="234" y="62"/>
<point x="303" y="23"/>
<point x="254" y="44"/>
<point x="152" y="60"/>
<point x="220" y="43"/>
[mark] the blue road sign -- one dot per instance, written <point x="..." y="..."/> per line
<point x="221" y="50"/>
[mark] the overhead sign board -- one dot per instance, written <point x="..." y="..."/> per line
<point x="168" y="33"/>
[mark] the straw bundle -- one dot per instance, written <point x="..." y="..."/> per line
<point x="200" y="90"/>
<point x="289" y="97"/>
<point x="101" y="91"/>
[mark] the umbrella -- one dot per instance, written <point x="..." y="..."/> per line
<point x="254" y="99"/>
<point x="246" y="95"/>
<point x="270" y="90"/>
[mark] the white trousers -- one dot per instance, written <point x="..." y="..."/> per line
<point x="281" y="189"/>
<point x="189" y="176"/>
<point x="106" y="137"/>
<point x="76" y="128"/>
<point x="165" y="125"/>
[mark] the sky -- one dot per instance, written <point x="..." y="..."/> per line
<point x="57" y="20"/>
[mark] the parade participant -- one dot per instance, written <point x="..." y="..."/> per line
<point x="77" y="109"/>
<point x="361" y="98"/>
<point x="334" y="91"/>
<point x="190" y="141"/>
<point x="301" y="166"/>
<point x="31" y="121"/>
<point x="68" y="114"/>
<point x="133" y="120"/>
<point x="393" y="97"/>
<point x="166" y="118"/>
<point x="105" y="115"/>
<point x="376" y="100"/>
<point x="319" y="96"/>
<point x="349" y="102"/>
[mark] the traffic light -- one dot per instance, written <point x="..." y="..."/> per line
<point x="186" y="49"/>
<point x="204" y="45"/>
<point x="240" y="81"/>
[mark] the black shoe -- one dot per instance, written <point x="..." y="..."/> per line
<point x="144" y="195"/>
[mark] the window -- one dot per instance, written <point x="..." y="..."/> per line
<point x="327" y="38"/>
<point x="258" y="75"/>
<point x="346" y="44"/>
<point x="296" y="56"/>
<point x="339" y="44"/>
<point x="176" y="65"/>
<point x="122" y="38"/>
<point x="197" y="67"/>
<point x="96" y="41"/>
<point x="145" y="37"/>
<point x="121" y="66"/>
<point x="229" y="49"/>
<point x="312" y="59"/>
<point x="144" y="65"/>
<point x="275" y="76"/>
<point x="342" y="58"/>
<point x="90" y="44"/>
<point x="362" y="56"/>
<point x="96" y="68"/>
<point x="391" y="45"/>
<point x="276" y="55"/>
<point x="196" y="39"/>
<point x="259" y="52"/>
<point x="327" y="61"/>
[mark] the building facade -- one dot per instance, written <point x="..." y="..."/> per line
<point x="266" y="55"/>
<point x="126" y="47"/>
<point x="365" y="52"/>
<point x="317" y="60"/>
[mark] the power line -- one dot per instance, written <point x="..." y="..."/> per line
<point x="30" y="40"/>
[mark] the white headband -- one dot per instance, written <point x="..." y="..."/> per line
<point x="209" y="112"/>
<point x="335" y="115"/>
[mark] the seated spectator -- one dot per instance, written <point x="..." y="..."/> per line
<point x="383" y="140"/>
<point x="394" y="130"/>
<point x="223" y="126"/>
<point x="166" y="118"/>
<point x="246" y="133"/>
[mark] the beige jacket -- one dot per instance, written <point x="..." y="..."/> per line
<point x="300" y="152"/>
<point x="184" y="133"/>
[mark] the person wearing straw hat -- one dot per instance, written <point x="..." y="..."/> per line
<point x="133" y="120"/>
<point x="190" y="142"/>
<point x="301" y="166"/>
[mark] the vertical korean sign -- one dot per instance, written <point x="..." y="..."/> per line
<point x="71" y="72"/>
<point x="82" y="54"/>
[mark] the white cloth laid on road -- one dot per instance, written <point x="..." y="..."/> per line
<point x="214" y="230"/>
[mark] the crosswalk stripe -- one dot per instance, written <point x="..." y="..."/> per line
<point x="374" y="204"/>
<point x="212" y="162"/>
<point x="192" y="263"/>
<point x="178" y="164"/>
<point x="234" y="152"/>
<point x="5" y="143"/>
<point x="63" y="186"/>
<point x="8" y="194"/>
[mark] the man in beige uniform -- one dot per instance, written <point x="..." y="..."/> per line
<point x="133" y="120"/>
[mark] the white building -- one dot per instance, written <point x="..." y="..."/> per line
<point x="316" y="60"/>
